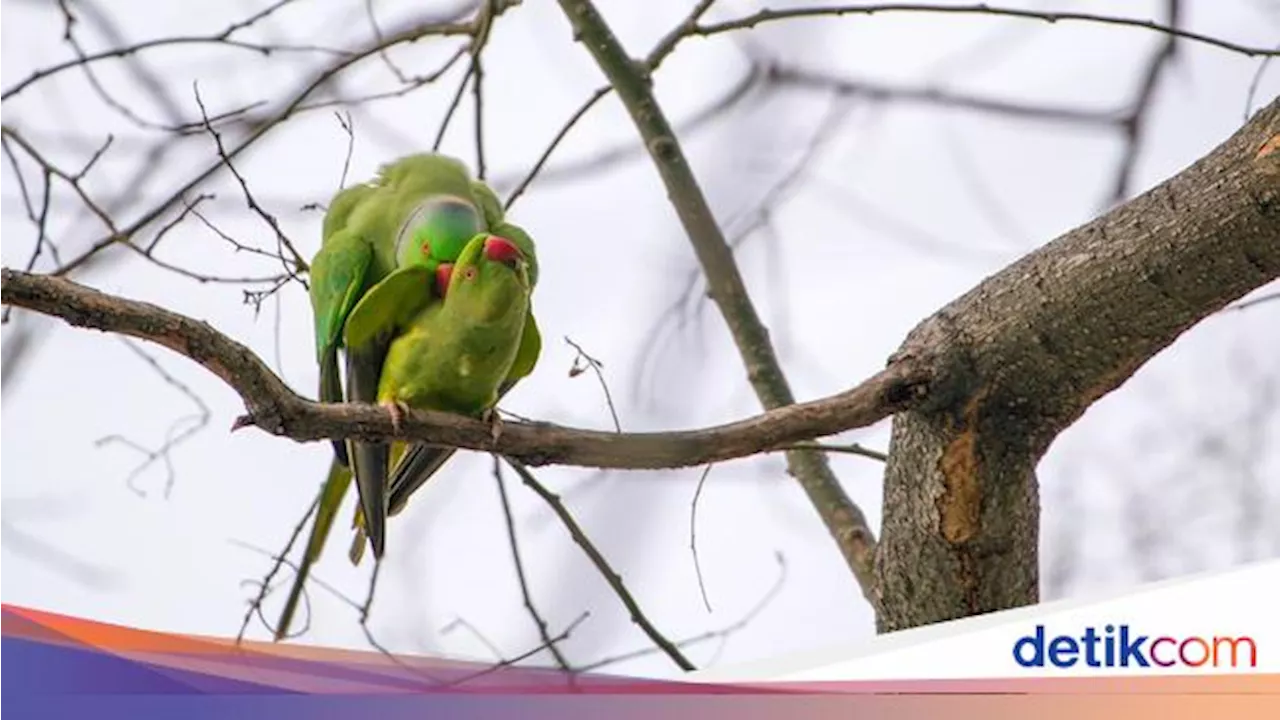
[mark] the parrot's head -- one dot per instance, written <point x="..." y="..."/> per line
<point x="521" y="240"/>
<point x="490" y="278"/>
<point x="436" y="231"/>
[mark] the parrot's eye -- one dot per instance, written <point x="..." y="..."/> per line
<point x="470" y="274"/>
<point x="426" y="249"/>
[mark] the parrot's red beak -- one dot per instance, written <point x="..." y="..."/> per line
<point x="502" y="250"/>
<point x="444" y="273"/>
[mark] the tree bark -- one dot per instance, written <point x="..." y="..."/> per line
<point x="1020" y="357"/>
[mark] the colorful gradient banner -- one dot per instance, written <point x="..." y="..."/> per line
<point x="59" y="666"/>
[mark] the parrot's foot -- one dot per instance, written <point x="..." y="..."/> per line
<point x="492" y="417"/>
<point x="398" y="411"/>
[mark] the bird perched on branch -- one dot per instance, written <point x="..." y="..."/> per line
<point x="380" y="287"/>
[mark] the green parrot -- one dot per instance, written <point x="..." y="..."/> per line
<point x="459" y="355"/>
<point x="419" y="210"/>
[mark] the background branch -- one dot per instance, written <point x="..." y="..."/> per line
<point x="844" y="520"/>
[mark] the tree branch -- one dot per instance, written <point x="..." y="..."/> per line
<point x="1020" y="357"/>
<point x="631" y="80"/>
<point x="273" y="407"/>
<point x="767" y="16"/>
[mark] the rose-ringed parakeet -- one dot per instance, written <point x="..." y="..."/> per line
<point x="421" y="461"/>
<point x="419" y="210"/>
<point x="458" y="355"/>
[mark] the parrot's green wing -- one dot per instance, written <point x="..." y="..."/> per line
<point x="526" y="356"/>
<point x="339" y="273"/>
<point x="389" y="306"/>
<point x="375" y="320"/>
<point x="331" y="493"/>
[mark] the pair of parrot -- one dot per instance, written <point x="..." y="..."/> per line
<point x="425" y="289"/>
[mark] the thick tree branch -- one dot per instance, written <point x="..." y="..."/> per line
<point x="1020" y="357"/>
<point x="274" y="407"/>
<point x="844" y="520"/>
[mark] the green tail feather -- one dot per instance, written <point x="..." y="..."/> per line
<point x="331" y="493"/>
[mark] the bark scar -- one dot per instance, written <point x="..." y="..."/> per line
<point x="1268" y="148"/>
<point x="960" y="506"/>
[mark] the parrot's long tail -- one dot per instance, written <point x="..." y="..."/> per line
<point x="414" y="468"/>
<point x="412" y="472"/>
<point x="331" y="493"/>
<point x="369" y="460"/>
<point x="369" y="465"/>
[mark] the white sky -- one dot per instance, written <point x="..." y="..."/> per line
<point x="886" y="228"/>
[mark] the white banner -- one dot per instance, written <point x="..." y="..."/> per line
<point x="1208" y="624"/>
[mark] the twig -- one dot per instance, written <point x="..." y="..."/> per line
<point x="867" y="88"/>
<point x="172" y="437"/>
<point x="1135" y="121"/>
<point x="453" y="108"/>
<point x="461" y="622"/>
<point x="721" y="634"/>
<point x="539" y="621"/>
<point x="850" y="449"/>
<point x="650" y="65"/>
<point x="555" y="142"/>
<point x="222" y="38"/>
<point x="598" y="368"/>
<point x="348" y="127"/>
<point x="255" y="606"/>
<point x="260" y="128"/>
<point x="560" y="637"/>
<point x="693" y="536"/>
<point x="606" y="571"/>
<point x="478" y="42"/>
<point x="767" y="16"/>
<point x="282" y="241"/>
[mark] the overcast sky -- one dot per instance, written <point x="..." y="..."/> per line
<point x="903" y="208"/>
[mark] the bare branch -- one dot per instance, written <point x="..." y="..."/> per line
<point x="768" y="16"/>
<point x="844" y="520"/>
<point x="722" y="634"/>
<point x="598" y="368"/>
<point x="1135" y="121"/>
<point x="539" y="621"/>
<point x="261" y="127"/>
<point x="281" y="239"/>
<point x="606" y="571"/>
<point x="173" y="438"/>
<point x="223" y="38"/>
<point x="953" y="99"/>
<point x="264" y="586"/>
<point x="693" y="536"/>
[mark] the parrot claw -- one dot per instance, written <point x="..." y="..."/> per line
<point x="398" y="411"/>
<point x="492" y="417"/>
